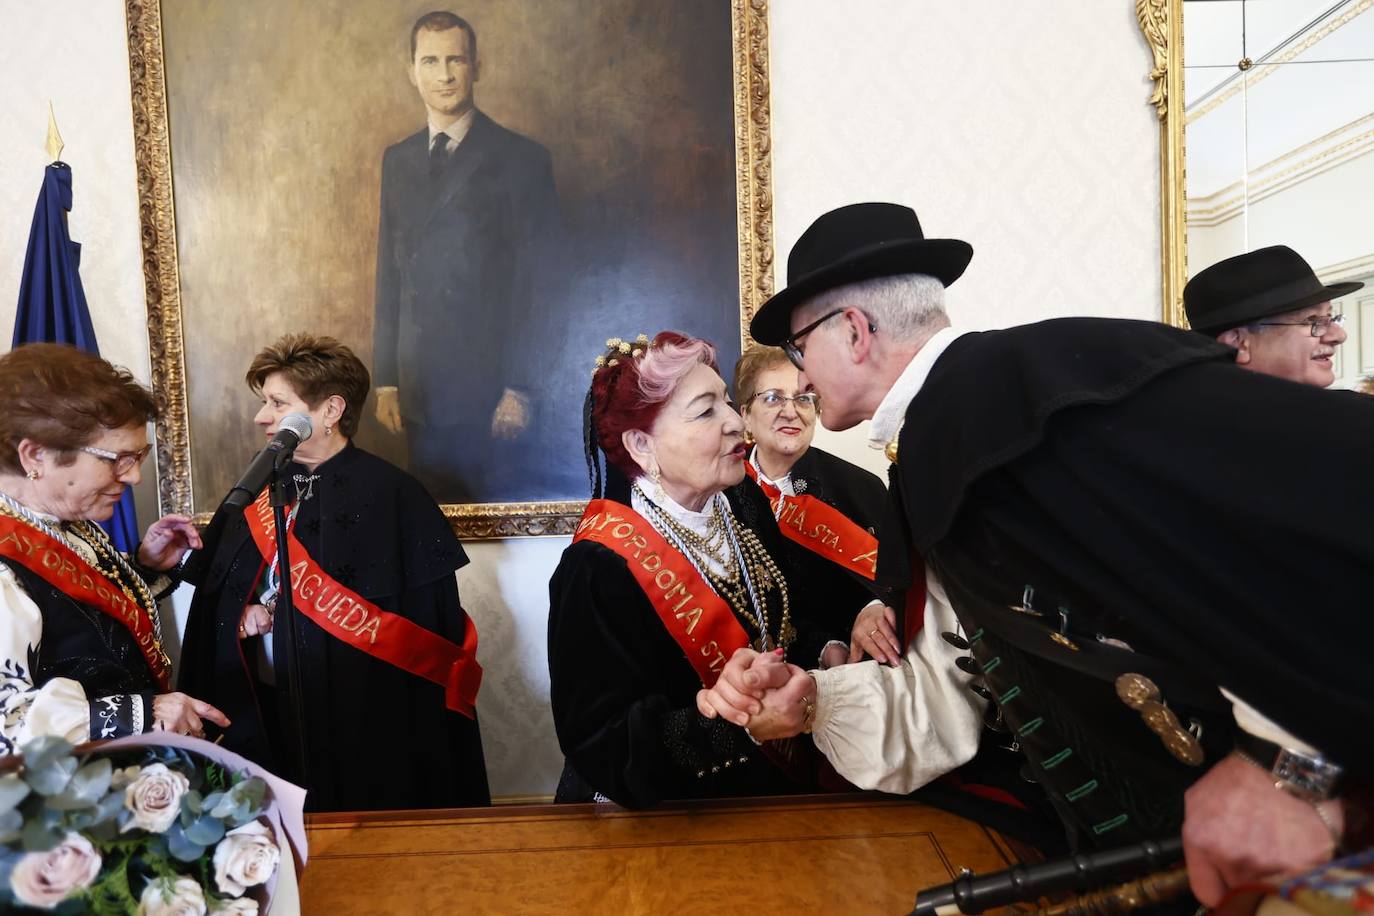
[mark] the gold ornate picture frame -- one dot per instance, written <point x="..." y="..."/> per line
<point x="1161" y="22"/>
<point x="163" y="272"/>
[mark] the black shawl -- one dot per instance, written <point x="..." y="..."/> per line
<point x="377" y="737"/>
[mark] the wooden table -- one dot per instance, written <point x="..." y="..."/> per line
<point x="827" y="854"/>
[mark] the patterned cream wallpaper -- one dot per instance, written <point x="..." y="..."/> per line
<point x="74" y="55"/>
<point x="1020" y="127"/>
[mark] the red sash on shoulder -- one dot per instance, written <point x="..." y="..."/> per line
<point x="65" y="570"/>
<point x="352" y="619"/>
<point x="821" y="528"/>
<point x="695" y="616"/>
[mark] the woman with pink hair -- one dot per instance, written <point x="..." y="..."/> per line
<point x="677" y="563"/>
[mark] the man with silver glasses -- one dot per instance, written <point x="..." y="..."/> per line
<point x="1269" y="305"/>
<point x="1122" y="523"/>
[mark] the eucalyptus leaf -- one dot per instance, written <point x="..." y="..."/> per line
<point x="109" y="807"/>
<point x="242" y="814"/>
<point x="39" y="836"/>
<point x="181" y="847"/>
<point x="11" y="822"/>
<point x="13" y="790"/>
<point x="92" y="781"/>
<point x="254" y="789"/>
<point x="66" y="801"/>
<point x="192" y="802"/>
<point x="102" y="830"/>
<point x="206" y="830"/>
<point x="226" y="806"/>
<point x="8" y="859"/>
<point x="44" y="750"/>
<point x="50" y="778"/>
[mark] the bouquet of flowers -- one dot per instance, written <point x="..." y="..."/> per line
<point x="151" y="825"/>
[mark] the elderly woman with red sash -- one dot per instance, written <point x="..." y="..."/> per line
<point x="387" y="656"/>
<point x="828" y="506"/>
<point x="81" y="652"/>
<point x="673" y="568"/>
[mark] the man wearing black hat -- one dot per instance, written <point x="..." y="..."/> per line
<point x="1271" y="307"/>
<point x="1124" y="523"/>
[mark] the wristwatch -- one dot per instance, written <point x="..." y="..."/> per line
<point x="1310" y="777"/>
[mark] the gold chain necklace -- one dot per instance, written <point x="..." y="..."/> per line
<point x="110" y="562"/>
<point x="750" y="562"/>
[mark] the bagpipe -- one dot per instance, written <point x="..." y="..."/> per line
<point x="1151" y="872"/>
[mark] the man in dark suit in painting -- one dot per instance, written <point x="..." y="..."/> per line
<point x="465" y="255"/>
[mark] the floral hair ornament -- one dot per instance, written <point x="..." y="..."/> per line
<point x="616" y="348"/>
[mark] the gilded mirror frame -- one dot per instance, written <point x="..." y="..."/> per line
<point x="153" y="160"/>
<point x="1161" y="22"/>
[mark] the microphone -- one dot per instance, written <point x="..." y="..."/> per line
<point x="292" y="431"/>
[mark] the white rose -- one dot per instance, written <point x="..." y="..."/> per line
<point x="45" y="879"/>
<point x="241" y="906"/>
<point x="166" y="898"/>
<point x="245" y="857"/>
<point x="155" y="798"/>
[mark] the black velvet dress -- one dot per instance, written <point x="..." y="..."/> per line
<point x="376" y="737"/>
<point x="624" y="694"/>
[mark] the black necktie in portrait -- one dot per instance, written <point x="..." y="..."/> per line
<point x="438" y="154"/>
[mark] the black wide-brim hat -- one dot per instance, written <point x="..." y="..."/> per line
<point x="853" y="243"/>
<point x="1258" y="284"/>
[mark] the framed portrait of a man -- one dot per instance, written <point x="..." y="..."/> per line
<point x="472" y="197"/>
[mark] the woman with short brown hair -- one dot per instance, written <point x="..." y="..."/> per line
<point x="377" y="559"/>
<point x="81" y="653"/>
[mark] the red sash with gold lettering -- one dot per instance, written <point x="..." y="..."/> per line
<point x="699" y="619"/>
<point x="821" y="528"/>
<point x="66" y="571"/>
<point x="352" y="619"/>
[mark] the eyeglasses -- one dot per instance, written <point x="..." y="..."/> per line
<point x="773" y="399"/>
<point x="1319" y="324"/>
<point x="122" y="462"/>
<point x="794" y="352"/>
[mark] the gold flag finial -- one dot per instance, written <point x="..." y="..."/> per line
<point x="54" y="142"/>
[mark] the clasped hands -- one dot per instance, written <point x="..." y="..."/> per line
<point x="761" y="692"/>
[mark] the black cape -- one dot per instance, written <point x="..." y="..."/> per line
<point x="624" y="694"/>
<point x="1162" y="496"/>
<point x="377" y="737"/>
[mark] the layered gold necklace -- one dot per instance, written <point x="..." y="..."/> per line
<point x="748" y="572"/>
<point x="109" y="561"/>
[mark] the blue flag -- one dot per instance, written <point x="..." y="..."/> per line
<point x="52" y="304"/>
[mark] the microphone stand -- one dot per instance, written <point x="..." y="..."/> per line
<point x="284" y="623"/>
